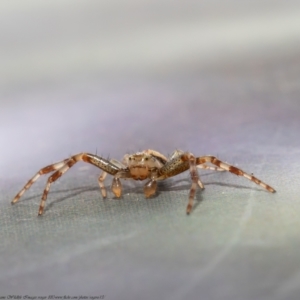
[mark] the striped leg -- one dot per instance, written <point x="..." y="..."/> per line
<point x="55" y="176"/>
<point x="195" y="181"/>
<point x="215" y="161"/>
<point x="179" y="152"/>
<point x="62" y="167"/>
<point x="206" y="167"/>
<point x="180" y="162"/>
<point x="108" y="166"/>
<point x="43" y="171"/>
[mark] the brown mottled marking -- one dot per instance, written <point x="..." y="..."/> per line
<point x="173" y="167"/>
<point x="101" y="163"/>
<point x="178" y="164"/>
<point x="216" y="162"/>
<point x="236" y="171"/>
<point x="257" y="181"/>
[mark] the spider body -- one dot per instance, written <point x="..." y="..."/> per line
<point x="141" y="165"/>
<point x="148" y="164"/>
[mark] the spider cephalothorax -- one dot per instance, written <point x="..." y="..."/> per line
<point x="141" y="165"/>
<point x="148" y="164"/>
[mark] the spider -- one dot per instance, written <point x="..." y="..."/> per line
<point x="148" y="164"/>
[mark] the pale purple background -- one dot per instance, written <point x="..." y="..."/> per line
<point x="211" y="77"/>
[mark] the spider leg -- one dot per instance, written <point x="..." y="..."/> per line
<point x="62" y="167"/>
<point x="178" y="164"/>
<point x="179" y="152"/>
<point x="32" y="180"/>
<point x="215" y="161"/>
<point x="195" y="180"/>
<point x="102" y="177"/>
<point x="200" y="183"/>
<point x="116" y="185"/>
<point x="52" y="179"/>
<point x="206" y="167"/>
<point x="150" y="188"/>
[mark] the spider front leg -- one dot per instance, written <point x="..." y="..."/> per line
<point x="62" y="167"/>
<point x="215" y="161"/>
<point x="181" y="163"/>
<point x="206" y="167"/>
<point x="89" y="158"/>
<point x="177" y="153"/>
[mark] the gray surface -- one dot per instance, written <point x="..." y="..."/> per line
<point x="235" y="99"/>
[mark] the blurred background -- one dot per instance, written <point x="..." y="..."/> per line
<point x="112" y="77"/>
<point x="113" y="69"/>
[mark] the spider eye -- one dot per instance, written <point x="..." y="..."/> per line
<point x="129" y="158"/>
<point x="146" y="158"/>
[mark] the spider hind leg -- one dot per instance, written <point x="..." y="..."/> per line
<point x="232" y="169"/>
<point x="41" y="172"/>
